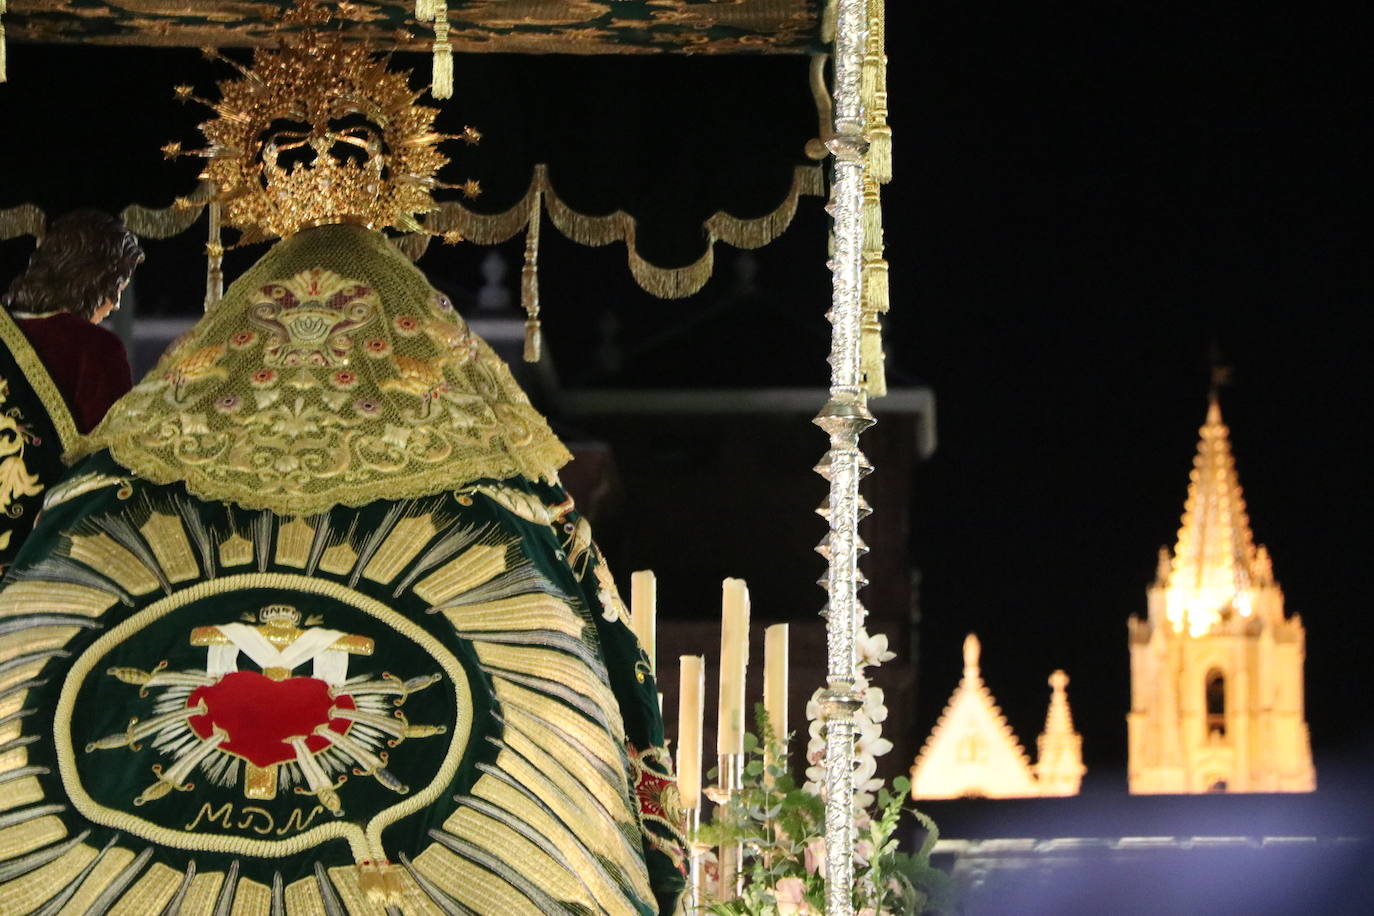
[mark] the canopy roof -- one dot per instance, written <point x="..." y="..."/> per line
<point x="527" y="26"/>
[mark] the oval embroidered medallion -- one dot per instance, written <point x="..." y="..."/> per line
<point x="266" y="734"/>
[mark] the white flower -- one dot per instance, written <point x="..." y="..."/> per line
<point x="871" y="742"/>
<point x="813" y="705"/>
<point x="874" y="709"/>
<point x="872" y="650"/>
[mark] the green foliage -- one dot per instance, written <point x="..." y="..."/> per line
<point x="781" y="828"/>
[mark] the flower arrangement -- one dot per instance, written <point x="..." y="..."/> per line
<point x="781" y="826"/>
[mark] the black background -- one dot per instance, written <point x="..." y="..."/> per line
<point x="1087" y="201"/>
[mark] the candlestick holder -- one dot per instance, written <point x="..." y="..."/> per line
<point x="691" y="829"/>
<point x="730" y="856"/>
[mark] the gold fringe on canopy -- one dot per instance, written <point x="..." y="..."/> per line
<point x="492" y="229"/>
<point x="595" y="231"/>
<point x="25" y="219"/>
<point x="165" y="222"/>
<point x="3" y="71"/>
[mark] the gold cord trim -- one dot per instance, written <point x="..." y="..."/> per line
<point x="43" y="385"/>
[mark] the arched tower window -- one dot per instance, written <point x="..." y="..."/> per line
<point x="1216" y="703"/>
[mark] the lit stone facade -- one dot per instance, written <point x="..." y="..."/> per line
<point x="1216" y="667"/>
<point x="972" y="751"/>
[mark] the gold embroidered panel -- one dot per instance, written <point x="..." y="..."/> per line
<point x="504" y="26"/>
<point x="330" y="373"/>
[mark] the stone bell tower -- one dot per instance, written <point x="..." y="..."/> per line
<point x="1216" y="667"/>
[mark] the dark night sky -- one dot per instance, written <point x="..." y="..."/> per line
<point x="1084" y="204"/>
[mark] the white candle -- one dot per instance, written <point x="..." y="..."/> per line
<point x="734" y="665"/>
<point x="644" y="613"/>
<point x="691" y="696"/>
<point x="775" y="678"/>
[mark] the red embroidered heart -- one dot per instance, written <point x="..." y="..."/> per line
<point x="259" y="714"/>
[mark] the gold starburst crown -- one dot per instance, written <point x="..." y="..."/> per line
<point x="319" y="131"/>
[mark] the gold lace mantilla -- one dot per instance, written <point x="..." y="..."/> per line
<point x="331" y="374"/>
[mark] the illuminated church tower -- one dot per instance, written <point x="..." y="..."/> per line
<point x="1217" y="669"/>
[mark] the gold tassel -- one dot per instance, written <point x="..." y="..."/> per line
<point x="875" y="300"/>
<point x="529" y="285"/>
<point x="4" y="76"/>
<point x="868" y="77"/>
<point x="875" y="304"/>
<point x="441" y="81"/>
<point x="872" y="214"/>
<point x="880" y="153"/>
<point x="874" y="89"/>
<point x="424" y="10"/>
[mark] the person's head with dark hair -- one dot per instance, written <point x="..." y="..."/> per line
<point x="81" y="266"/>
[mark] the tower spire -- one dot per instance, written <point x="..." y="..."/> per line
<point x="1214" y="558"/>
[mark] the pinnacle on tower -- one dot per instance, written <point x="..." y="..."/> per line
<point x="1059" y="765"/>
<point x="1214" y="560"/>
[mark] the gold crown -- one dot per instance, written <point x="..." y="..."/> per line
<point x="279" y="613"/>
<point x="320" y="131"/>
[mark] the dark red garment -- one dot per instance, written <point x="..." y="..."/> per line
<point x="87" y="363"/>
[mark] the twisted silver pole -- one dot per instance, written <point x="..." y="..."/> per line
<point x="844" y="417"/>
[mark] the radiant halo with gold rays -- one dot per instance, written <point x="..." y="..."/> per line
<point x="316" y="131"/>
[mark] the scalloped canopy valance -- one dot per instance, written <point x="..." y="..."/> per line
<point x="507" y="26"/>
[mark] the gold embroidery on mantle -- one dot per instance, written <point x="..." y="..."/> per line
<point x="330" y="373"/>
<point x="39" y="379"/>
<point x="15" y="479"/>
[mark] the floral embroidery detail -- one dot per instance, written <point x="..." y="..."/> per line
<point x="658" y="803"/>
<point x="197" y="366"/>
<point x="229" y="403"/>
<point x="422" y="378"/>
<point x="367" y="406"/>
<point x="407" y="325"/>
<point x="344" y="379"/>
<point x="308" y="318"/>
<point x="454" y="339"/>
<point x="242" y="339"/>
<point x="377" y="347"/>
<point x="263" y="378"/>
